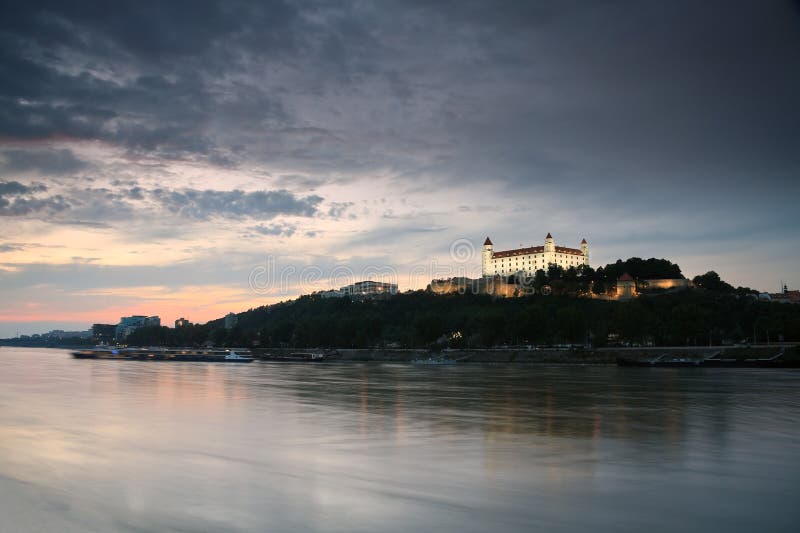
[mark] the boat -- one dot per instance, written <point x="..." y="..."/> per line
<point x="433" y="361"/>
<point x="713" y="361"/>
<point x="210" y="355"/>
<point x="302" y="357"/>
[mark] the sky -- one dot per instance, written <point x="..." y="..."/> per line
<point x="192" y="158"/>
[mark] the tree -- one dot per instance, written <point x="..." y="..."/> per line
<point x="599" y="286"/>
<point x="554" y="272"/>
<point x="427" y="328"/>
<point x="642" y="269"/>
<point x="711" y="282"/>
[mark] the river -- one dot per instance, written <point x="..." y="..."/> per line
<point x="141" y="446"/>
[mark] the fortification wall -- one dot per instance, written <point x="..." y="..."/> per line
<point x="491" y="286"/>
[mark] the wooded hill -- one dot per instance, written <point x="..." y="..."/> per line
<point x="713" y="312"/>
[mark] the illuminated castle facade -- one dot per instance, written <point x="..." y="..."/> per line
<point x="529" y="260"/>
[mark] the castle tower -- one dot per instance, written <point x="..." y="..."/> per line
<point x="585" y="250"/>
<point x="549" y="243"/>
<point x="486" y="257"/>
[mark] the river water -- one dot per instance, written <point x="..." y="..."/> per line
<point x="137" y="446"/>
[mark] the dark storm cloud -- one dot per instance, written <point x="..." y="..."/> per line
<point x="576" y="98"/>
<point x="149" y="75"/>
<point x="46" y="162"/>
<point x="628" y="92"/>
<point x="148" y="29"/>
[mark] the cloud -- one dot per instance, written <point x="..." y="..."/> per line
<point x="337" y="209"/>
<point x="94" y="206"/>
<point x="391" y="235"/>
<point x="262" y="205"/>
<point x="84" y="223"/>
<point x="11" y="247"/>
<point x="280" y="230"/>
<point x="79" y="72"/>
<point x="531" y="94"/>
<point x="17" y="199"/>
<point x="15" y="188"/>
<point x="45" y="162"/>
<point x="296" y="180"/>
<point x="26" y="206"/>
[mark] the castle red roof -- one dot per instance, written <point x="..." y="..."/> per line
<point x="625" y="277"/>
<point x="536" y="250"/>
<point x="565" y="250"/>
<point x="488" y="242"/>
<point x="520" y="251"/>
<point x="583" y="241"/>
<point x="548" y="236"/>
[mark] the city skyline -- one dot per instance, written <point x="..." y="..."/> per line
<point x="152" y="157"/>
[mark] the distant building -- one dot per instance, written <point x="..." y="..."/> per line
<point x="626" y="287"/>
<point x="369" y="288"/>
<point x="361" y="290"/>
<point x="664" y="284"/>
<point x="61" y="334"/>
<point x="786" y="296"/>
<point x="529" y="260"/>
<point x="129" y="324"/>
<point x="493" y="286"/>
<point x="231" y="320"/>
<point x="182" y="322"/>
<point x="104" y="333"/>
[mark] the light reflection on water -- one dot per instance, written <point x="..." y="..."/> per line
<point x="138" y="446"/>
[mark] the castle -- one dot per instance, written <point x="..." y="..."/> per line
<point x="529" y="260"/>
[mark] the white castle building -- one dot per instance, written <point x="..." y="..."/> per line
<point x="529" y="260"/>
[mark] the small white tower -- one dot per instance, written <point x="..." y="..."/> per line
<point x="585" y="250"/>
<point x="549" y="243"/>
<point x="486" y="257"/>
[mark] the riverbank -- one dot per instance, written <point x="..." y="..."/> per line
<point x="598" y="356"/>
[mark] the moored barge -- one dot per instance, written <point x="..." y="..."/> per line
<point x="167" y="354"/>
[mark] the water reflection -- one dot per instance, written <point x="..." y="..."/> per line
<point x="132" y="446"/>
